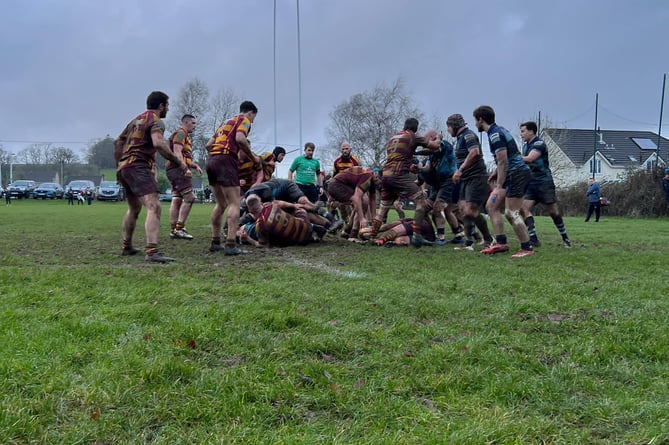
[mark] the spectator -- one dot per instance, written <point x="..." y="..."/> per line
<point x="593" y="194"/>
<point x="70" y="196"/>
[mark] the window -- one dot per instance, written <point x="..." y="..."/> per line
<point x="645" y="143"/>
<point x="598" y="166"/>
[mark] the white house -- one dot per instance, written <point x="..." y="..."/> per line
<point x="571" y="153"/>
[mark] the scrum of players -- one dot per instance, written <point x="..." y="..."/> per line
<point x="449" y="184"/>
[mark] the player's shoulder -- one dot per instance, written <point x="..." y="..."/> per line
<point x="538" y="144"/>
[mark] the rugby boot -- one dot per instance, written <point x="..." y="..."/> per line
<point x="418" y="241"/>
<point x="181" y="234"/>
<point x="233" y="250"/>
<point x="523" y="253"/>
<point x="495" y="248"/>
<point x="158" y="257"/>
<point x="129" y="251"/>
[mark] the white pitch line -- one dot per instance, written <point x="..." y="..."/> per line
<point x="327" y="269"/>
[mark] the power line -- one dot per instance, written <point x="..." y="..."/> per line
<point x="628" y="119"/>
<point x="16" y="141"/>
<point x="583" y="113"/>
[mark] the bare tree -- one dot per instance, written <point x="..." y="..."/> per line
<point x="224" y="104"/>
<point x="64" y="155"/>
<point x="36" y="154"/>
<point x="193" y="99"/>
<point x="367" y="120"/>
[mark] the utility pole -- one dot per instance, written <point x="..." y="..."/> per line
<point x="299" y="71"/>
<point x="659" y="131"/>
<point x="594" y="147"/>
<point x="274" y="71"/>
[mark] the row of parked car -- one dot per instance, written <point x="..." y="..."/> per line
<point x="24" y="188"/>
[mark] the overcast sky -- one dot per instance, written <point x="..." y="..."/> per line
<point x="77" y="70"/>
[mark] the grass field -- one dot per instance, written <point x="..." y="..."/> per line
<point x="331" y="343"/>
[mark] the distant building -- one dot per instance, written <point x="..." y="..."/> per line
<point x="615" y="151"/>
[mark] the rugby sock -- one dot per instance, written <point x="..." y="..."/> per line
<point x="216" y="240"/>
<point x="415" y="228"/>
<point x="230" y="243"/>
<point x="470" y="230"/>
<point x="173" y="226"/>
<point x="388" y="235"/>
<point x="151" y="248"/>
<point x="127" y="244"/>
<point x="440" y="233"/>
<point x="501" y="239"/>
<point x="179" y="226"/>
<point x="529" y="223"/>
<point x="376" y="225"/>
<point x="559" y="223"/>
<point x="526" y="246"/>
<point x="482" y="225"/>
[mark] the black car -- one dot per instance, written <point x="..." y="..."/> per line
<point x="23" y="188"/>
<point x="81" y="186"/>
<point x="49" y="190"/>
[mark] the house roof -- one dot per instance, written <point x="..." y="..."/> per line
<point x="618" y="146"/>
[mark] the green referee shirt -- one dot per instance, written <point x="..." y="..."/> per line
<point x="305" y="170"/>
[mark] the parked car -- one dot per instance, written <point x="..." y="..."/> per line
<point x="22" y="188"/>
<point x="80" y="186"/>
<point x="110" y="191"/>
<point x="166" y="196"/>
<point x="49" y="190"/>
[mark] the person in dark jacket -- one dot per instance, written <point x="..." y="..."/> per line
<point x="593" y="194"/>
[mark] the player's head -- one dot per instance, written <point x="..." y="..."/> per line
<point x="454" y="123"/>
<point x="279" y="153"/>
<point x="188" y="122"/>
<point x="158" y="101"/>
<point x="309" y="149"/>
<point x="484" y="115"/>
<point x="411" y="124"/>
<point x="345" y="149"/>
<point x="249" y="109"/>
<point x="528" y="130"/>
<point x="253" y="204"/>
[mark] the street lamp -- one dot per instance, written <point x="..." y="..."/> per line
<point x="11" y="168"/>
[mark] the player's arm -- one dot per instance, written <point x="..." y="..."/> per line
<point x="243" y="143"/>
<point x="285" y="205"/>
<point x="356" y="199"/>
<point x="502" y="167"/>
<point x="371" y="208"/>
<point x="177" y="149"/>
<point x="469" y="160"/>
<point x="258" y="176"/>
<point x="210" y="143"/>
<point x="163" y="148"/>
<point x="532" y="156"/>
<point x="197" y="168"/>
